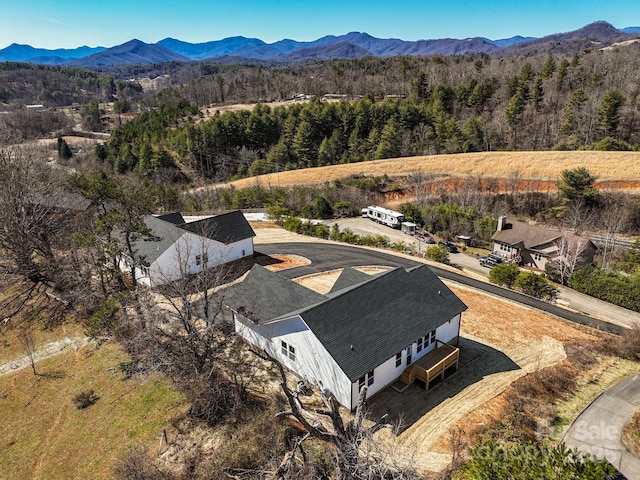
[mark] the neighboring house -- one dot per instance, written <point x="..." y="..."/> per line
<point x="366" y="331"/>
<point x="536" y="246"/>
<point x="185" y="248"/>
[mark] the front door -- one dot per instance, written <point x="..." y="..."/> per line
<point x="409" y="351"/>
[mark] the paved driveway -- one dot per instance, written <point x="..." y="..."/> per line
<point x="598" y="428"/>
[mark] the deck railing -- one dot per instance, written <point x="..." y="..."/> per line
<point x="432" y="365"/>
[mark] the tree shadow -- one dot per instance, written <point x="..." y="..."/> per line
<point x="53" y="374"/>
<point x="477" y="361"/>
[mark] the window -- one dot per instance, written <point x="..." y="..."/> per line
<point x="537" y="257"/>
<point x="288" y="350"/>
<point x="422" y="342"/>
<point x="365" y="380"/>
<point x="409" y="352"/>
<point x="145" y="271"/>
<point x="432" y="337"/>
<point x="398" y="359"/>
<point x="202" y="259"/>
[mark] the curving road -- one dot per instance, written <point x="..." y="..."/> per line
<point x="325" y="256"/>
<point x="598" y="428"/>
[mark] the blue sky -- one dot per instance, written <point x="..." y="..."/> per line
<point x="72" y="23"/>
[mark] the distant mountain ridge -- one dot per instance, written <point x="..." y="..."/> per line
<point x="330" y="47"/>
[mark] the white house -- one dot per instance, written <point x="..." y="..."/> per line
<point x="366" y="331"/>
<point x="183" y="248"/>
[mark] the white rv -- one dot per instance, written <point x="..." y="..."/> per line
<point x="383" y="215"/>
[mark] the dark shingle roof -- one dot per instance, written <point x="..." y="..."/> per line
<point x="175" y="217"/>
<point x="166" y="234"/>
<point x="264" y="296"/>
<point x="226" y="228"/>
<point x="168" y="228"/>
<point x="348" y="278"/>
<point x="378" y="317"/>
<point x="382" y="316"/>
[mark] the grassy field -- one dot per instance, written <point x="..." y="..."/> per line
<point x="43" y="435"/>
<point x="620" y="167"/>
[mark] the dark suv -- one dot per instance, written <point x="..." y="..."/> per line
<point x="451" y="248"/>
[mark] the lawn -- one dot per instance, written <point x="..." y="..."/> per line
<point x="43" y="435"/>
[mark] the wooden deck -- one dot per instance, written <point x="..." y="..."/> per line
<point x="429" y="367"/>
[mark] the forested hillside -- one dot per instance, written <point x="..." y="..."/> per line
<point x="411" y="106"/>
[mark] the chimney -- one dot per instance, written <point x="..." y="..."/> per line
<point x="502" y="222"/>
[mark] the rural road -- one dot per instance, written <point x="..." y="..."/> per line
<point x="598" y="428"/>
<point x="329" y="256"/>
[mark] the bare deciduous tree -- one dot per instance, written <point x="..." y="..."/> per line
<point x="28" y="342"/>
<point x="357" y="454"/>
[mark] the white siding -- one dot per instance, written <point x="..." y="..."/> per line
<point x="385" y="374"/>
<point x="180" y="259"/>
<point x="312" y="363"/>
<point x="450" y="330"/>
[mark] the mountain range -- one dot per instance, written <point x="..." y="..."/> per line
<point x="330" y="47"/>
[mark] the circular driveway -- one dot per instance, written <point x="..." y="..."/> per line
<point x="331" y="256"/>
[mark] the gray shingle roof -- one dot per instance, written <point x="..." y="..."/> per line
<point x="226" y="228"/>
<point x="167" y="234"/>
<point x="378" y="317"/>
<point x="168" y="228"/>
<point x="348" y="278"/>
<point x="529" y="236"/>
<point x="265" y="296"/>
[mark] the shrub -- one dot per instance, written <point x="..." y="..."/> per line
<point x="619" y="289"/>
<point x="504" y="274"/>
<point x="85" y="399"/>
<point x="535" y="285"/>
<point x="439" y="253"/>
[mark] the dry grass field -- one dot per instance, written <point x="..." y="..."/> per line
<point x="43" y="435"/>
<point x="619" y="169"/>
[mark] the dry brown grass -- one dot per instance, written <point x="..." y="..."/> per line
<point x="631" y="434"/>
<point x="607" y="166"/>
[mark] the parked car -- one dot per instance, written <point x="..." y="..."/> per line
<point x="450" y="246"/>
<point x="490" y="261"/>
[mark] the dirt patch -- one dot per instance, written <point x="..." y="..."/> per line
<point x="268" y="232"/>
<point x="282" y="262"/>
<point x="320" y="282"/>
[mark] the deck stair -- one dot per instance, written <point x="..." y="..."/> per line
<point x="431" y="366"/>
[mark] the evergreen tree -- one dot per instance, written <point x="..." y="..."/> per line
<point x="64" y="152"/>
<point x="608" y="114"/>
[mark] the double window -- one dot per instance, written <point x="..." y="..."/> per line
<point x="366" y="379"/>
<point x="288" y="351"/>
<point x="424" y="342"/>
<point x="202" y="259"/>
